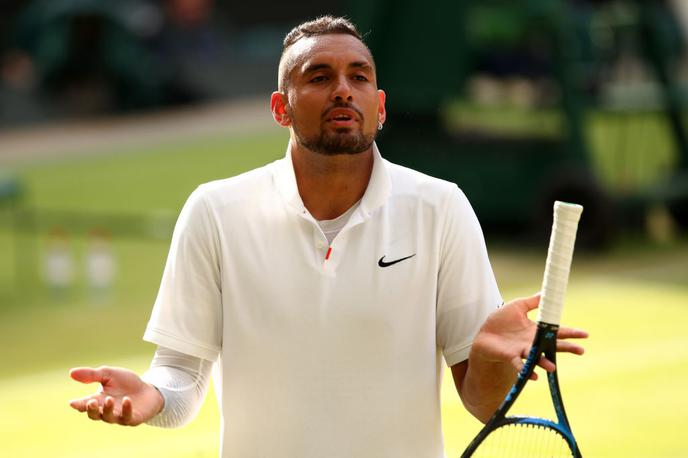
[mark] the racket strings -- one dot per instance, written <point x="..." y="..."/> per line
<point x="523" y="441"/>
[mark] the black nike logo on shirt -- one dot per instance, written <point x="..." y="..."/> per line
<point x="382" y="262"/>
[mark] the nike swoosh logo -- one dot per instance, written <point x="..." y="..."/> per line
<point x="382" y="262"/>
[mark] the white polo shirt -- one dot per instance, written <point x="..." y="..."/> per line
<point x="326" y="355"/>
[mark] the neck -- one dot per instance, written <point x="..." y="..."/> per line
<point x="330" y="185"/>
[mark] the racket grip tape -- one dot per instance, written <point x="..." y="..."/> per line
<point x="558" y="265"/>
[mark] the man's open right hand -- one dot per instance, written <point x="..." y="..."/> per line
<point x="123" y="398"/>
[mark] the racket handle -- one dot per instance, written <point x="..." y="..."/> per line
<point x="558" y="264"/>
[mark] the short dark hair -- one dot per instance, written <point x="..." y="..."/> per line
<point x="324" y="25"/>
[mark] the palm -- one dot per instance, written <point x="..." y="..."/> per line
<point x="507" y="334"/>
<point x="122" y="397"/>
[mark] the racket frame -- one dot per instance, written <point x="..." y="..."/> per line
<point x="544" y="343"/>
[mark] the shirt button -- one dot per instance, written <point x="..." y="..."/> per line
<point x="320" y="244"/>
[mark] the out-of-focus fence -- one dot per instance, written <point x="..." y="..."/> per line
<point x="49" y="249"/>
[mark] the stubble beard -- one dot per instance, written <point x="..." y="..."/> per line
<point x="332" y="143"/>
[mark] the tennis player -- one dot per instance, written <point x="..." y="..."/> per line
<point x="324" y="288"/>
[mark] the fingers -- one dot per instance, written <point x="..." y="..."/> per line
<point x="546" y="364"/>
<point x="572" y="333"/>
<point x="533" y="301"/>
<point x="528" y="303"/>
<point x="567" y="346"/>
<point x="108" y="411"/>
<point x="122" y="417"/>
<point x="564" y="346"/>
<point x="80" y="404"/>
<point x="543" y="362"/>
<point x="127" y="412"/>
<point x="517" y="363"/>
<point x="93" y="409"/>
<point x="88" y="374"/>
<point x="108" y="415"/>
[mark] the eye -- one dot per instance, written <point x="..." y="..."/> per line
<point x="360" y="78"/>
<point x="317" y="79"/>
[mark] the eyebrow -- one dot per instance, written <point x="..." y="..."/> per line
<point x="357" y="64"/>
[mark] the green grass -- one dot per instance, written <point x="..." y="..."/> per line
<point x="146" y="180"/>
<point x="622" y="397"/>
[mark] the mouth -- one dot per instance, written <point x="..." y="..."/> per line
<point x="341" y="117"/>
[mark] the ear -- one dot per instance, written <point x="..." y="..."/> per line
<point x="381" y="111"/>
<point x="278" y="106"/>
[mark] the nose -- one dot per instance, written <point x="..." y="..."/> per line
<point x="342" y="90"/>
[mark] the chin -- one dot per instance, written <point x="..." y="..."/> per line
<point x="338" y="141"/>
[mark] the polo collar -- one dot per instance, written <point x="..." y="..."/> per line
<point x="379" y="186"/>
<point x="375" y="196"/>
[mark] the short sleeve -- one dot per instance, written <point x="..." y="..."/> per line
<point x="187" y="315"/>
<point x="467" y="290"/>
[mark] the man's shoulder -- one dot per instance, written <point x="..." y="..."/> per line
<point x="244" y="186"/>
<point x="409" y="182"/>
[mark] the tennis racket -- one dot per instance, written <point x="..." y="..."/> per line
<point x="532" y="437"/>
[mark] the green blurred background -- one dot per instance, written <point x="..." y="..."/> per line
<point x="96" y="163"/>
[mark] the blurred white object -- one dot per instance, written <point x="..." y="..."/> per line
<point x="101" y="266"/>
<point x="58" y="262"/>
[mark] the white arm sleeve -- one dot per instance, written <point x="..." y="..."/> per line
<point x="183" y="382"/>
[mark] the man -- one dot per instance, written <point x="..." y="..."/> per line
<point x="326" y="287"/>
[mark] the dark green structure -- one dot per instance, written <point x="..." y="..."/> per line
<point x="95" y="43"/>
<point x="428" y="54"/>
